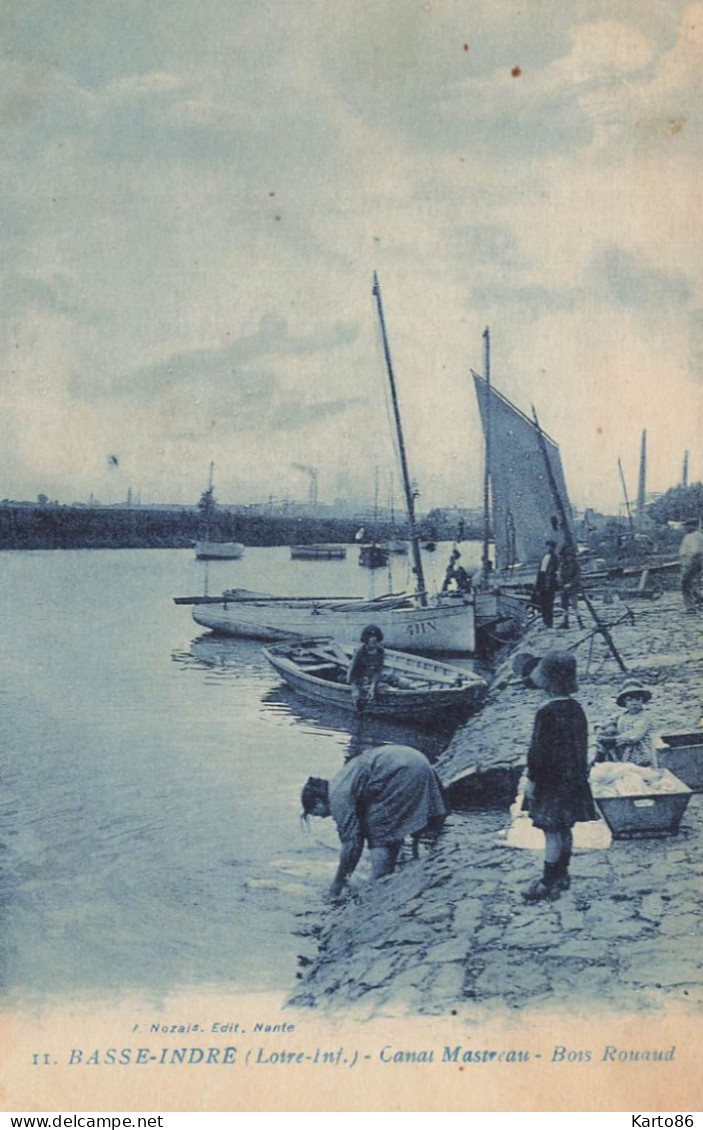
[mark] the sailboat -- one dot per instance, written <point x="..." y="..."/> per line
<point x="372" y="555"/>
<point x="519" y="505"/>
<point x="207" y="549"/>
<point x="409" y="621"/>
<point x="523" y="512"/>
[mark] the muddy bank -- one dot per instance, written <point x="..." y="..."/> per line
<point x="451" y="930"/>
<point x="657" y="643"/>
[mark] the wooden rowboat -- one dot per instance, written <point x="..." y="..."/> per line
<point x="411" y="687"/>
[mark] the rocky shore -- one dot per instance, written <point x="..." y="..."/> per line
<point x="450" y="931"/>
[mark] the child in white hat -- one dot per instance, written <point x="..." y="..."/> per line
<point x="631" y="735"/>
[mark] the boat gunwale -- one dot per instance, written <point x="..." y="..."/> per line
<point x="438" y="692"/>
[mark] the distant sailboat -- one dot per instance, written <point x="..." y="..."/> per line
<point x="207" y="549"/>
<point x="373" y="555"/>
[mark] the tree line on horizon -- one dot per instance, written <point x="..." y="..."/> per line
<point x="51" y="525"/>
<point x="55" y="526"/>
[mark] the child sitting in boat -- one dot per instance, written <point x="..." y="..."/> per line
<point x="366" y="666"/>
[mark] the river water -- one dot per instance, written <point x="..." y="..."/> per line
<point x="150" y="774"/>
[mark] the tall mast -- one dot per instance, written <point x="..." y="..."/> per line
<point x="684" y="472"/>
<point x="627" y="502"/>
<point x="642" y="481"/>
<point x="208" y="508"/>
<point x="601" y="626"/>
<point x="409" y="498"/>
<point x="485" y="564"/>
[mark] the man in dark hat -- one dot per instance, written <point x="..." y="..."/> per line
<point x="546" y="583"/>
<point x="691" y="555"/>
<point x="366" y="666"/>
<point x="378" y="798"/>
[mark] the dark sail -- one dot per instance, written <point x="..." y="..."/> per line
<point x="524" y="513"/>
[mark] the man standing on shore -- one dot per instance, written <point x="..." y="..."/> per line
<point x="546" y="584"/>
<point x="691" y="554"/>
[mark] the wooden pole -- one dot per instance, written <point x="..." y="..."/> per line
<point x="409" y="498"/>
<point x="627" y="502"/>
<point x="569" y="541"/>
<point x="485" y="562"/>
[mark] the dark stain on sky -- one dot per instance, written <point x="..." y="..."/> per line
<point x="516" y="72"/>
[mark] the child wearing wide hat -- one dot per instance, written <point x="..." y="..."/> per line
<point x="631" y="731"/>
<point x="558" y="794"/>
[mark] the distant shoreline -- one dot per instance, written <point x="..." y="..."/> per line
<point x="53" y="526"/>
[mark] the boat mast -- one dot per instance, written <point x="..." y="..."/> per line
<point x="208" y="498"/>
<point x="409" y="498"/>
<point x="569" y="543"/>
<point x="485" y="563"/>
<point x="627" y="503"/>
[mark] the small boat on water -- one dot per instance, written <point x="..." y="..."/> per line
<point x="418" y="622"/>
<point x="443" y="625"/>
<point x="207" y="549"/>
<point x="318" y="552"/>
<point x="373" y="556"/>
<point x="218" y="550"/>
<point x="411" y="687"/>
<point x="397" y="546"/>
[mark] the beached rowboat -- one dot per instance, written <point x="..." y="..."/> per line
<point x="410" y="687"/>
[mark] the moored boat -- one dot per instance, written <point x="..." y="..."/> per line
<point x="410" y="687"/>
<point x="218" y="550"/>
<point x="373" y="556"/>
<point x="439" y="627"/>
<point x="397" y="546"/>
<point x="417" y="622"/>
<point x="318" y="552"/>
<point x="208" y="549"/>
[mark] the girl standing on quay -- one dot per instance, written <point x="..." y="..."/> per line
<point x="558" y="794"/>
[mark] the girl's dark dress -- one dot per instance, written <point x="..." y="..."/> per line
<point x="557" y="764"/>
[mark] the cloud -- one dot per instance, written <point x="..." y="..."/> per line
<point x="633" y="281"/>
<point x="172" y="172"/>
<point x="228" y="387"/>
<point x="59" y="296"/>
<point x="199" y="368"/>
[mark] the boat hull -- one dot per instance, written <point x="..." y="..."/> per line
<point x="318" y="552"/>
<point x="218" y="550"/>
<point x="438" y="629"/>
<point x="458" y="693"/>
<point x="373" y="556"/>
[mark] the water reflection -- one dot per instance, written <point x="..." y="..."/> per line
<point x="230" y="659"/>
<point x="223" y="653"/>
<point x="361" y="732"/>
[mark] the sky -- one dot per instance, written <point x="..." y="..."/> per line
<point x="194" y="195"/>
